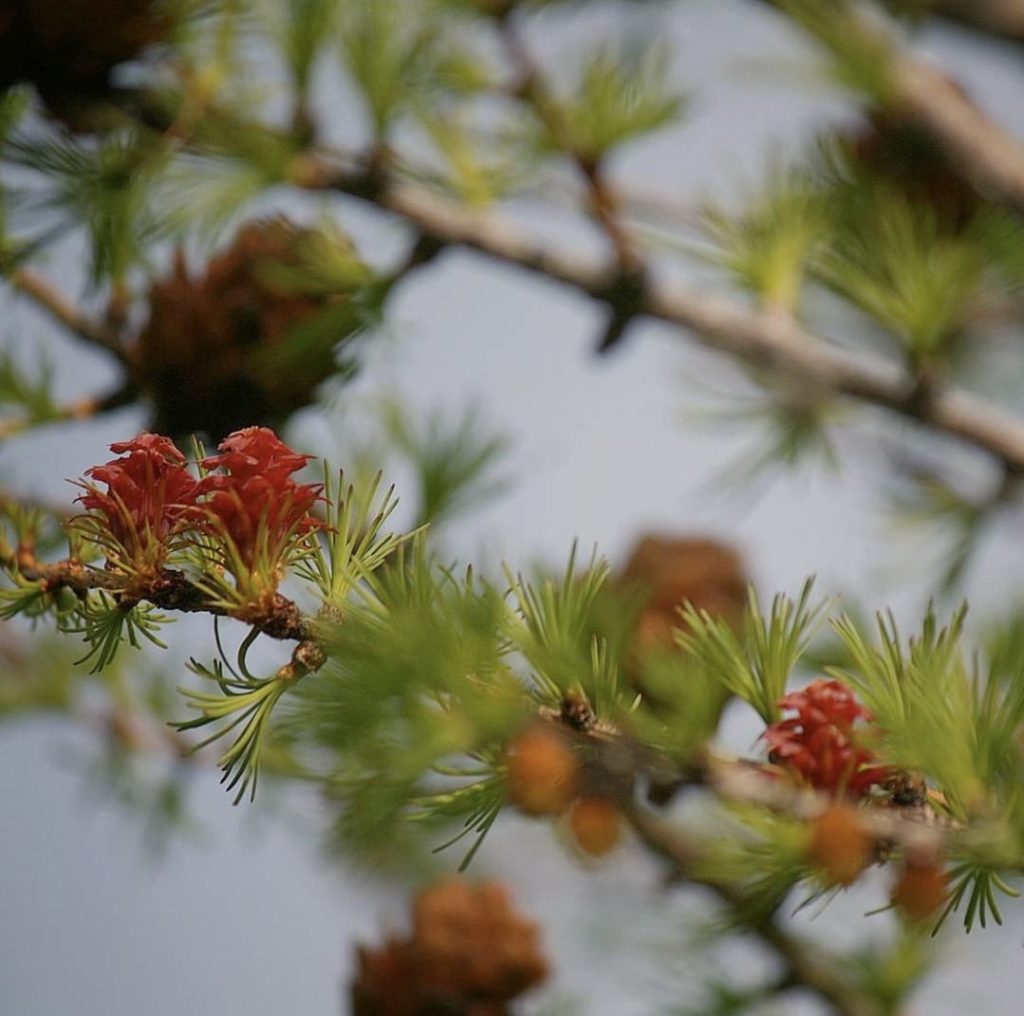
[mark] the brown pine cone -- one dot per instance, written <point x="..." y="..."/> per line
<point x="214" y="355"/>
<point x="68" y="48"/>
<point x="672" y="571"/>
<point x="908" y="158"/>
<point x="470" y="954"/>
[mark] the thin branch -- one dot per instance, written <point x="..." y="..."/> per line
<point x="918" y="830"/>
<point x="760" y="339"/>
<point x="47" y="297"/>
<point x="170" y="590"/>
<point x="603" y="201"/>
<point x="78" y="409"/>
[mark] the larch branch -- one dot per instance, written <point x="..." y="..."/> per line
<point x="756" y="338"/>
<point x="991" y="158"/>
<point x="169" y="590"/>
<point x="987" y="155"/>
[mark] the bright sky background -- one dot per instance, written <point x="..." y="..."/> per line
<point x="247" y="919"/>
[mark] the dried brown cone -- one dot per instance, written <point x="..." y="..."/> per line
<point x="68" y="48"/>
<point x="670" y="572"/>
<point x="206" y="356"/>
<point x="890" y="147"/>
<point x="469" y="953"/>
<point x="387" y="983"/>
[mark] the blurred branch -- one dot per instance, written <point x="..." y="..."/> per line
<point x="805" y="965"/>
<point x="48" y="298"/>
<point x="760" y="339"/>
<point x="13" y="501"/>
<point x="602" y="201"/>
<point x="918" y="830"/>
<point x="1001" y="18"/>
<point x="79" y="409"/>
<point x="988" y="156"/>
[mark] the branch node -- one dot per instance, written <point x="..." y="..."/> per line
<point x="626" y="296"/>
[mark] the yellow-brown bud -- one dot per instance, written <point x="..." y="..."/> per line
<point x="921" y="890"/>
<point x="839" y="846"/>
<point x="542" y="771"/>
<point x="595" y="824"/>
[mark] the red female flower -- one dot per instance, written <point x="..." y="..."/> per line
<point x="150" y="496"/>
<point x="820" y="741"/>
<point x="253" y="501"/>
